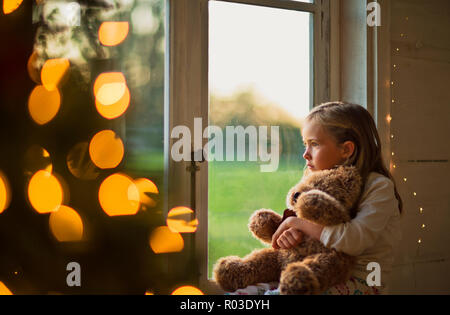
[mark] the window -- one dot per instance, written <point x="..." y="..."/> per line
<point x="94" y="68"/>
<point x="245" y="81"/>
<point x="259" y="78"/>
<point x="111" y="71"/>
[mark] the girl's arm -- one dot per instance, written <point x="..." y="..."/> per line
<point x="377" y="207"/>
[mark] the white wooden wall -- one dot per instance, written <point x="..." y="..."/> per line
<point x="420" y="88"/>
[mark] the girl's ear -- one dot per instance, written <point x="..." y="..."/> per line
<point x="348" y="147"/>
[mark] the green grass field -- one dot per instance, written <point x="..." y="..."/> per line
<point x="236" y="190"/>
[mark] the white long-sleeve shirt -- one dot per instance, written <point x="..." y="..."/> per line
<point x="375" y="231"/>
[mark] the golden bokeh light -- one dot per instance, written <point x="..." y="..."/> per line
<point x="10" y="6"/>
<point x="33" y="71"/>
<point x="66" y="225"/>
<point x="106" y="149"/>
<point x="113" y="110"/>
<point x="112" y="96"/>
<point x="4" y="289"/>
<point x="43" y="105"/>
<point x="187" y="290"/>
<point x="5" y="192"/>
<point x="163" y="240"/>
<point x="53" y="71"/>
<point x="79" y="162"/>
<point x="113" y="33"/>
<point x="110" y="93"/>
<point x="147" y="192"/>
<point x="45" y="192"/>
<point x="112" y="78"/>
<point x="36" y="159"/>
<point x="118" y="195"/>
<point x="178" y="220"/>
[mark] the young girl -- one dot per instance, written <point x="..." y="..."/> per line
<point x="339" y="133"/>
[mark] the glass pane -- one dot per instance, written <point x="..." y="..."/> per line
<point x="82" y="100"/>
<point x="260" y="69"/>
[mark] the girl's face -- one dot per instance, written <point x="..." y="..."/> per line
<point x="321" y="149"/>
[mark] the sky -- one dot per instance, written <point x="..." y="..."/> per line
<point x="264" y="48"/>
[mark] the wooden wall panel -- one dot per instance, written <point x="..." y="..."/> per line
<point x="420" y="74"/>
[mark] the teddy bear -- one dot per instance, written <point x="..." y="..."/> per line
<point x="326" y="197"/>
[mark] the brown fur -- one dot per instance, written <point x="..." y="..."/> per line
<point x="327" y="198"/>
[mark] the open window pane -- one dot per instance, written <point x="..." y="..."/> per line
<point x="260" y="79"/>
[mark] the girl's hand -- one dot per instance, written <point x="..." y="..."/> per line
<point x="288" y="234"/>
<point x="288" y="239"/>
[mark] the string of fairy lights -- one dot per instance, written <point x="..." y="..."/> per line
<point x="393" y="166"/>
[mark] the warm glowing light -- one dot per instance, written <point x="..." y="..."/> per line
<point x="392" y="136"/>
<point x="108" y="78"/>
<point x="66" y="225"/>
<point x="113" y="33"/>
<point x="147" y="190"/>
<point x="36" y="159"/>
<point x="106" y="149"/>
<point x="388" y="118"/>
<point x="80" y="164"/>
<point x="115" y="109"/>
<point x="421" y="210"/>
<point x="4" y="290"/>
<point x="163" y="240"/>
<point x="43" y="105"/>
<point x="33" y="71"/>
<point x="45" y="192"/>
<point x="118" y="195"/>
<point x="394" y="166"/>
<point x="5" y="193"/>
<point x="53" y="71"/>
<point x="187" y="290"/>
<point x="11" y="5"/>
<point x="423" y="226"/>
<point x="178" y="220"/>
<point x="110" y="88"/>
<point x="414" y="194"/>
<point x="149" y="293"/>
<point x="419" y="241"/>
<point x="110" y="93"/>
<point x="405" y="179"/>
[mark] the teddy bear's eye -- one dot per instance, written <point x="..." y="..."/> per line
<point x="295" y="197"/>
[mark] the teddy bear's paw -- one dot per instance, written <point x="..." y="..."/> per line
<point x="263" y="224"/>
<point x="297" y="279"/>
<point x="230" y="273"/>
<point x="321" y="208"/>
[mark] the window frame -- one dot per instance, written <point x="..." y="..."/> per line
<point x="187" y="97"/>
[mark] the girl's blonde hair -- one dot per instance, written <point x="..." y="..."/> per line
<point x="351" y="122"/>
